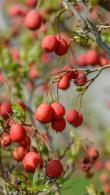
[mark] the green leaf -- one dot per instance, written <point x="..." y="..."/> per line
<point x="18" y="112"/>
<point x="80" y="89"/>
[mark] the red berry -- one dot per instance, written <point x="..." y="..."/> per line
<point x="103" y="61"/>
<point x="64" y="83"/>
<point x="44" y="113"/>
<point x="31" y="3"/>
<point x="26" y="142"/>
<point x="15" y="10"/>
<point x="72" y="74"/>
<point x="72" y="116"/>
<point x="33" y="20"/>
<point x="58" y="125"/>
<point x="92" y="58"/>
<point x="5" y="140"/>
<point x="62" y="47"/>
<point x="5" y="109"/>
<point x="54" y="168"/>
<point x="49" y="43"/>
<point x="93" y="153"/>
<point x="81" y="79"/>
<point x="81" y="60"/>
<point x="19" y="153"/>
<point x="17" y="133"/>
<point x="58" y="110"/>
<point x="79" y="120"/>
<point x="31" y="161"/>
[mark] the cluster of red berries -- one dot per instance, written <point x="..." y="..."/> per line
<point x="91" y="57"/>
<point x="80" y="78"/>
<point x="54" y="113"/>
<point x="32" y="18"/>
<point x="88" y="162"/>
<point x="31" y="158"/>
<point x="57" y="44"/>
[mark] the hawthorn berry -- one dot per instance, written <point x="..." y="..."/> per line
<point x="71" y="116"/>
<point x="72" y="74"/>
<point x="92" y="58"/>
<point x="58" y="110"/>
<point x="62" y="47"/>
<point x="58" y="125"/>
<point x="19" y="153"/>
<point x="54" y="168"/>
<point x="64" y="83"/>
<point x="79" y="120"/>
<point x="44" y="113"/>
<point x="49" y="43"/>
<point x="14" y="10"/>
<point x="31" y="161"/>
<point x="33" y="20"/>
<point x="93" y="153"/>
<point x="5" y="140"/>
<point x="5" y="109"/>
<point x="31" y="3"/>
<point x="81" y="60"/>
<point x="26" y="142"/>
<point x="81" y="79"/>
<point x="17" y="133"/>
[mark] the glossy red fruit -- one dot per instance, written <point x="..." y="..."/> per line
<point x="64" y="83"/>
<point x="72" y="116"/>
<point x="44" y="113"/>
<point x="15" y="10"/>
<point x="79" y="121"/>
<point x="62" y="47"/>
<point x="49" y="43"/>
<point x="26" y="142"/>
<point x="81" y="60"/>
<point x="54" y="168"/>
<point x="81" y="79"/>
<point x="19" y="153"/>
<point x="31" y="161"/>
<point x="58" y="110"/>
<point x="5" y="109"/>
<point x="31" y="3"/>
<point x="17" y="133"/>
<point x="93" y="153"/>
<point x="33" y="20"/>
<point x="72" y="74"/>
<point x="58" y="125"/>
<point x="103" y="61"/>
<point x="92" y="58"/>
<point x="5" y="140"/>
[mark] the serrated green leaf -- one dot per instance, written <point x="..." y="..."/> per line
<point x="18" y="112"/>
